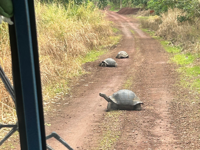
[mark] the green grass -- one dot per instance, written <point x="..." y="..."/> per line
<point x="170" y="49"/>
<point x="57" y="88"/>
<point x="92" y="56"/>
<point x="115" y="39"/>
<point x="190" y="77"/>
<point x="183" y="59"/>
<point x="196" y="85"/>
<point x="143" y="17"/>
<point x="115" y="30"/>
<point x="113" y="7"/>
<point x="191" y="71"/>
<point x="132" y="31"/>
<point x="128" y="83"/>
<point x="150" y="32"/>
<point x="190" y="83"/>
<point x="189" y="74"/>
<point x="111" y="130"/>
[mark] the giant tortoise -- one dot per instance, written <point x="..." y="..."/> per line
<point x="122" y="54"/>
<point x="109" y="62"/>
<point x="123" y="99"/>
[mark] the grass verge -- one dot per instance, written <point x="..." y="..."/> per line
<point x="185" y="61"/>
<point x="185" y="105"/>
<point x="111" y="130"/>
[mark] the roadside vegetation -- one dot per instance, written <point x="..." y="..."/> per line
<point x="69" y="35"/>
<point x="177" y="29"/>
<point x="182" y="40"/>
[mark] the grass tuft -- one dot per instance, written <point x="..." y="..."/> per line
<point x="111" y="130"/>
<point x="128" y="83"/>
<point x="92" y="56"/>
<point x="183" y="59"/>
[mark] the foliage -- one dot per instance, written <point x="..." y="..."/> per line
<point x="183" y="59"/>
<point x="142" y="3"/>
<point x="159" y="6"/>
<point x="114" y="4"/>
<point x="102" y="4"/>
<point x="113" y="7"/>
<point x="78" y="2"/>
<point x="192" y="7"/>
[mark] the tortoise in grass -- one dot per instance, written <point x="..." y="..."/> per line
<point x="123" y="99"/>
<point x="109" y="62"/>
<point x="122" y="54"/>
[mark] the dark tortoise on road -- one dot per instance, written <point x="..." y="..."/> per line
<point x="122" y="54"/>
<point x="124" y="100"/>
<point x="109" y="62"/>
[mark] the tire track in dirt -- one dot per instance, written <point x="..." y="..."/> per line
<point x="154" y="82"/>
<point x="124" y="29"/>
<point x="134" y="26"/>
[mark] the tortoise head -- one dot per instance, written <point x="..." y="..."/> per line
<point x="138" y="107"/>
<point x="137" y="104"/>
<point x="103" y="64"/>
<point x="105" y="97"/>
<point x="117" y="56"/>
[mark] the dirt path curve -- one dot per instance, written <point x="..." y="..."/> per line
<point x="83" y="111"/>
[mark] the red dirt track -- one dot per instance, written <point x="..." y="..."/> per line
<point x="79" y="119"/>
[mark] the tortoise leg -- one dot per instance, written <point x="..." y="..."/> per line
<point x="114" y="106"/>
<point x="138" y="107"/>
<point x="111" y="106"/>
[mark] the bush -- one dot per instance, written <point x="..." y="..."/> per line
<point x="159" y="6"/>
<point x="151" y="22"/>
<point x="191" y="7"/>
<point x="178" y="33"/>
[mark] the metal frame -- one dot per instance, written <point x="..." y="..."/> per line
<point x="25" y="76"/>
<point x="10" y="89"/>
<point x="14" y="128"/>
<point x="57" y="137"/>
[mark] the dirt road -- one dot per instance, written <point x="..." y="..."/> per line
<point x="82" y="118"/>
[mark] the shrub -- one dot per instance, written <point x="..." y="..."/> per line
<point x="171" y="29"/>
